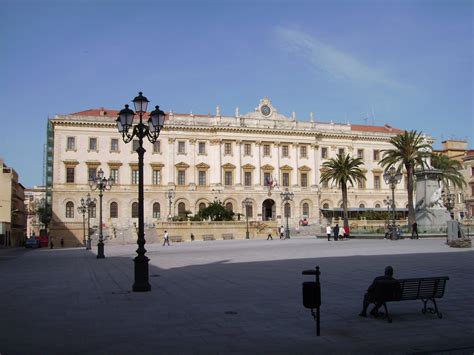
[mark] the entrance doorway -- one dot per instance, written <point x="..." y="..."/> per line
<point x="268" y="210"/>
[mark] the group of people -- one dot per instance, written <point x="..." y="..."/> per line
<point x="339" y="233"/>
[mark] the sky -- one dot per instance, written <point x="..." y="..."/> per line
<point x="408" y="64"/>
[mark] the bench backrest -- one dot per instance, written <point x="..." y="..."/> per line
<point x="426" y="287"/>
<point x="387" y="290"/>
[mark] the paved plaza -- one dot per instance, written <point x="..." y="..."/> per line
<point x="230" y="297"/>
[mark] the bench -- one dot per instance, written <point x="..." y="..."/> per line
<point x="425" y="289"/>
<point x="207" y="237"/>
<point x="176" y="238"/>
<point x="228" y="236"/>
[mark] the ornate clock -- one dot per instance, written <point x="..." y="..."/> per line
<point x="265" y="110"/>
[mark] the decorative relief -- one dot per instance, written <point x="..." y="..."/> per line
<point x="181" y="165"/>
<point x="268" y="167"/>
<point x="92" y="163"/>
<point x="286" y="168"/>
<point x="202" y="166"/>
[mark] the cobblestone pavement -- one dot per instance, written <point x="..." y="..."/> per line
<point x="230" y="297"/>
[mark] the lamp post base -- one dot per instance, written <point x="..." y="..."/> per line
<point x="141" y="283"/>
<point x="89" y="246"/>
<point x="100" y="250"/>
<point x="247" y="235"/>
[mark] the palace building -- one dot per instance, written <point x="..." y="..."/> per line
<point x="202" y="158"/>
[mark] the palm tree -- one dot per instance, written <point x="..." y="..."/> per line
<point x="342" y="170"/>
<point x="450" y="170"/>
<point x="410" y="151"/>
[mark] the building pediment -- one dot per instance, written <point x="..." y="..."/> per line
<point x="202" y="166"/>
<point x="181" y="165"/>
<point x="114" y="164"/>
<point x="248" y="167"/>
<point x="268" y="167"/>
<point x="92" y="163"/>
<point x="70" y="162"/>
<point x="286" y="167"/>
<point x="228" y="166"/>
<point x="157" y="165"/>
<point x="304" y="168"/>
<point x="265" y="110"/>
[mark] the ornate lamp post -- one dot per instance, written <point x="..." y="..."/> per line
<point x="170" y="195"/>
<point x="393" y="177"/>
<point x="151" y="132"/>
<point x="287" y="196"/>
<point x="247" y="204"/>
<point x="102" y="184"/>
<point x="84" y="208"/>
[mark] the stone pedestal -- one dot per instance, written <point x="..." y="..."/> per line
<point x="431" y="214"/>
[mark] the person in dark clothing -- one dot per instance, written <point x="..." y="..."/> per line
<point x="269" y="236"/>
<point x="369" y="296"/>
<point x="336" y="232"/>
<point x="62" y="242"/>
<point x="414" y="230"/>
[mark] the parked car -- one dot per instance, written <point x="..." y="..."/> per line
<point x="32" y="243"/>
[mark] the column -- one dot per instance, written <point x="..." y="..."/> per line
<point x="258" y="145"/>
<point x="171" y="159"/>
<point x="239" y="164"/>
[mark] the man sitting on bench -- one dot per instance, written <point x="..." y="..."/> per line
<point x="369" y="296"/>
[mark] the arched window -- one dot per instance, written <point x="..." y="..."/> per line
<point x="181" y="209"/>
<point x="377" y="205"/>
<point x="361" y="205"/>
<point x="113" y="210"/>
<point x="202" y="206"/>
<point x="249" y="211"/>
<point x="229" y="207"/>
<point x="92" y="210"/>
<point x="326" y="206"/>
<point x="305" y="210"/>
<point x="135" y="210"/>
<point x="70" y="210"/>
<point x="156" y="210"/>
<point x="287" y="210"/>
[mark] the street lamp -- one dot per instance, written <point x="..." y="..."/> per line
<point x="247" y="204"/>
<point x="151" y="132"/>
<point x="392" y="177"/>
<point x="449" y="202"/>
<point x="101" y="183"/>
<point x="85" y="207"/>
<point x="287" y="196"/>
<point x="170" y="195"/>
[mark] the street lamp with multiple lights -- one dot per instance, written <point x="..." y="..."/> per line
<point x="287" y="196"/>
<point x="170" y="195"/>
<point x="101" y="183"/>
<point x="247" y="204"/>
<point x="84" y="208"/>
<point x="393" y="177"/>
<point x="140" y="130"/>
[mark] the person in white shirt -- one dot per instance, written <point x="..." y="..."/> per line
<point x="329" y="232"/>
<point x="282" y="232"/>
<point x="166" y="239"/>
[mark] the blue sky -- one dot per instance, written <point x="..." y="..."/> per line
<point x="405" y="63"/>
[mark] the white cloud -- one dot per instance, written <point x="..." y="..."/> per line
<point x="334" y="62"/>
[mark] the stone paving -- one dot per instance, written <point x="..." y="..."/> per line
<point x="230" y="297"/>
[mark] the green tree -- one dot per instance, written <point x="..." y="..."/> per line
<point x="342" y="170"/>
<point x="450" y="169"/>
<point x="44" y="213"/>
<point x="410" y="151"/>
<point x="216" y="211"/>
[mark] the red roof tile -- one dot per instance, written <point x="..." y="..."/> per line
<point x="380" y="129"/>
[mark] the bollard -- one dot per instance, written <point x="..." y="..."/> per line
<point x="312" y="296"/>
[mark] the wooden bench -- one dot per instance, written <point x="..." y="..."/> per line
<point x="228" y="236"/>
<point x="207" y="237"/>
<point x="176" y="238"/>
<point x="425" y="289"/>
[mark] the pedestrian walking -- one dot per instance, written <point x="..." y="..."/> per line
<point x="51" y="245"/>
<point x="346" y="232"/>
<point x="329" y="231"/>
<point x="341" y="233"/>
<point x="166" y="239"/>
<point x="62" y="242"/>
<point x="414" y="230"/>
<point x="282" y="232"/>
<point x="336" y="231"/>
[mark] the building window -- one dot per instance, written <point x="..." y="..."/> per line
<point x="341" y="151"/>
<point x="93" y="144"/>
<point x="92" y="210"/>
<point x="305" y="210"/>
<point x="70" y="210"/>
<point x="114" y="145"/>
<point x="181" y="177"/>
<point x="71" y="143"/>
<point x="181" y="147"/>
<point x="229" y="207"/>
<point x="202" y="206"/>
<point x="472" y="190"/>
<point x="181" y="209"/>
<point x="286" y="179"/>
<point x="376" y="155"/>
<point x="113" y="210"/>
<point x="202" y="178"/>
<point x="227" y="148"/>
<point x="287" y="210"/>
<point x="361" y="183"/>
<point x="157" y="147"/>
<point x="228" y="178"/>
<point x="247" y="149"/>
<point x="266" y="150"/>
<point x="135" y="210"/>
<point x="70" y="175"/>
<point x="248" y="178"/>
<point x="304" y="180"/>
<point x="267" y="178"/>
<point x="156" y="177"/>
<point x="377" y="205"/>
<point x="285" y="151"/>
<point x="324" y="153"/>
<point x="92" y="173"/>
<point x="360" y="153"/>
<point x="135" y="176"/>
<point x="377" y="182"/>
<point x="303" y="151"/>
<point x="202" y="147"/>
<point x="135" y="145"/>
<point x="114" y="174"/>
<point x="156" y="210"/>
<point x="361" y="205"/>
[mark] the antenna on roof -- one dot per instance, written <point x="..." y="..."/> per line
<point x="373" y="114"/>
